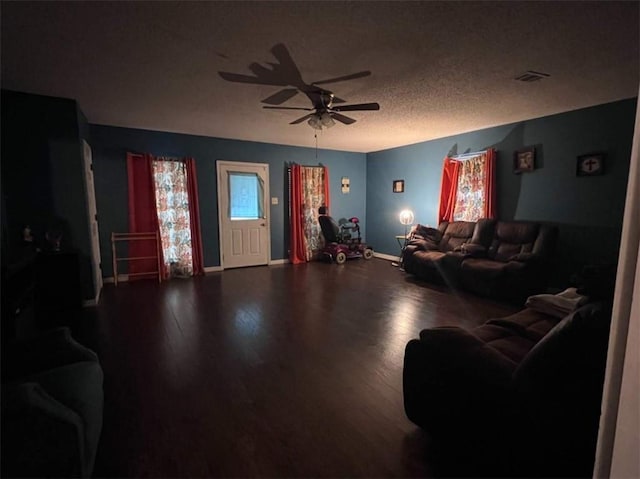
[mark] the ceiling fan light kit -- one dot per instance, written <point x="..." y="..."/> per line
<point x="318" y="121"/>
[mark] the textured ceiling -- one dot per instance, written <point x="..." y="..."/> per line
<point x="437" y="68"/>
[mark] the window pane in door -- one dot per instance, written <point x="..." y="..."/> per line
<point x="245" y="196"/>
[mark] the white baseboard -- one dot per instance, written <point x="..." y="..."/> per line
<point x="122" y="278"/>
<point x="88" y="303"/>
<point x="388" y="257"/>
<point x="279" y="261"/>
<point x="215" y="269"/>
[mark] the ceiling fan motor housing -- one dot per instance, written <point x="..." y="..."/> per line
<point x="326" y="98"/>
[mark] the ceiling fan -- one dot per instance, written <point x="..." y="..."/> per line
<point x="325" y="105"/>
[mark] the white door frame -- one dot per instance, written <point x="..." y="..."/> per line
<point x="92" y="213"/>
<point x="267" y="204"/>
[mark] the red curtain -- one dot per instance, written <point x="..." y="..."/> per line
<point x="297" y="241"/>
<point x="326" y="188"/>
<point x="490" y="208"/>
<point x="194" y="216"/>
<point x="143" y="217"/>
<point x="448" y="189"/>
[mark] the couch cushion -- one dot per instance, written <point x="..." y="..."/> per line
<point x="511" y="238"/>
<point x="506" y="341"/>
<point x="456" y="234"/>
<point x="429" y="256"/>
<point x="528" y="322"/>
<point x="488" y="268"/>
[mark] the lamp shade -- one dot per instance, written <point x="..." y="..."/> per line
<point x="406" y="217"/>
<point x="315" y="123"/>
<point x="326" y="120"/>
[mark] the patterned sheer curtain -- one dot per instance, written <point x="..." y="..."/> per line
<point x="471" y="185"/>
<point x="172" y="205"/>
<point x="309" y="191"/>
<point x="313" y="181"/>
<point x="475" y="188"/>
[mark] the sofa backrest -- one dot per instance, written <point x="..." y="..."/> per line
<point x="483" y="232"/>
<point x="515" y="237"/>
<point x="454" y="234"/>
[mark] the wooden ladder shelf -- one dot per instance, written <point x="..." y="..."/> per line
<point x="115" y="237"/>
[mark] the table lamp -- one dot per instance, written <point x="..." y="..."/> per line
<point x="406" y="218"/>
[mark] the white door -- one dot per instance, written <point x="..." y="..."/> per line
<point x="93" y="219"/>
<point x="243" y="214"/>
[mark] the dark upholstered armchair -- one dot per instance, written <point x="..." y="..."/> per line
<point x="52" y="403"/>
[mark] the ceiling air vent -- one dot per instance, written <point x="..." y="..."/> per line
<point x="531" y="75"/>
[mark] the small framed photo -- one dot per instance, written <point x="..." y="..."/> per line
<point x="590" y="165"/>
<point x="398" y="186"/>
<point x="524" y="161"/>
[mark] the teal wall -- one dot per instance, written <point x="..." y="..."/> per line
<point x="587" y="210"/>
<point x="111" y="144"/>
<point x="42" y="178"/>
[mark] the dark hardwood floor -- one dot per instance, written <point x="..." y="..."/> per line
<point x="280" y="371"/>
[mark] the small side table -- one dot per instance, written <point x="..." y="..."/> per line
<point x="402" y="243"/>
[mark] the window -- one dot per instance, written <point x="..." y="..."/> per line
<point x="245" y="196"/>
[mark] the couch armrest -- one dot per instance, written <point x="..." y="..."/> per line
<point x="40" y="436"/>
<point x="462" y="349"/>
<point x="525" y="257"/>
<point x="451" y="377"/>
<point x="472" y="250"/>
<point x="423" y="244"/>
<point x="49" y="350"/>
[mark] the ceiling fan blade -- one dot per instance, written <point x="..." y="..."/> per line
<point x="337" y="100"/>
<point x="287" y="108"/>
<point x="280" y="97"/>
<point x="358" y="107"/>
<point x="300" y="120"/>
<point x="342" y="119"/>
<point x="353" y="76"/>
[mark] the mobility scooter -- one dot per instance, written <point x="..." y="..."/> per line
<point x="342" y="242"/>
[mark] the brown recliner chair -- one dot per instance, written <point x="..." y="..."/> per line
<point x="515" y="266"/>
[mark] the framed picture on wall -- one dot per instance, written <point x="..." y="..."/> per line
<point x="590" y="165"/>
<point x="398" y="186"/>
<point x="524" y="161"/>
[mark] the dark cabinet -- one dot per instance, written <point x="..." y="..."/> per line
<point x="58" y="291"/>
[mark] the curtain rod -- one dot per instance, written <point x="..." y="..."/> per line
<point x="305" y="166"/>
<point x="465" y="155"/>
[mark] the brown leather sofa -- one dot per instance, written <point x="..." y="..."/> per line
<point x="517" y="396"/>
<point x="499" y="259"/>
